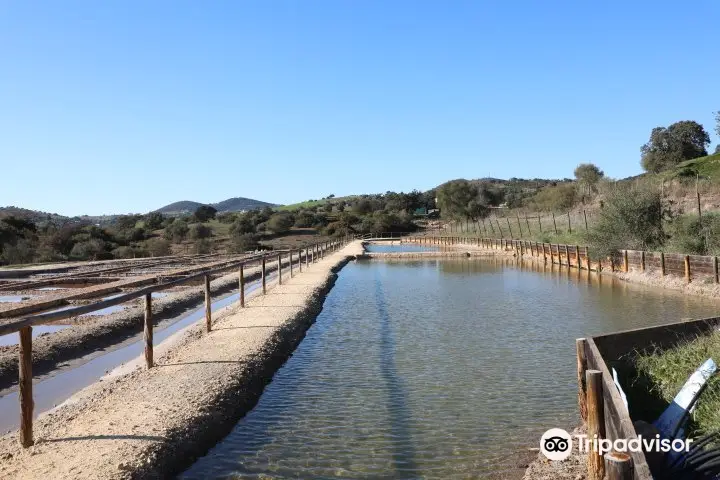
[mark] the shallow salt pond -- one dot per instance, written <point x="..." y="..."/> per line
<point x="433" y="369"/>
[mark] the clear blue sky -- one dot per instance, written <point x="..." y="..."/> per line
<point x="124" y="106"/>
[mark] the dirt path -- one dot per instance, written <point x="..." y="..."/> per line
<point x="154" y="423"/>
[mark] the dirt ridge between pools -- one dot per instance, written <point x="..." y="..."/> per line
<point x="101" y="334"/>
<point x="155" y="423"/>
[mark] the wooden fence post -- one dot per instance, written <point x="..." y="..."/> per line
<point x="569" y="226"/>
<point x="625" y="261"/>
<point x="300" y="260"/>
<point x="715" y="270"/>
<point x="595" y="421"/>
<point x="208" y="310"/>
<point x="619" y="466"/>
<point x="307" y="257"/>
<point x="612" y="263"/>
<point x="585" y="215"/>
<point x="662" y="264"/>
<point x="554" y="224"/>
<point x="539" y="223"/>
<point x="687" y="268"/>
<point x="577" y="257"/>
<point x="262" y="275"/>
<point x="148" y="332"/>
<point x="242" y="286"/>
<point x="279" y="268"/>
<point x="25" y="393"/>
<point x="587" y="258"/>
<point x="581" y="368"/>
<point x="642" y="260"/>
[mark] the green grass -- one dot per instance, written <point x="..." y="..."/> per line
<point x="708" y="167"/>
<point x="669" y="370"/>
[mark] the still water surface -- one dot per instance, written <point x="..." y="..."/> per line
<point x="399" y="247"/>
<point x="433" y="369"/>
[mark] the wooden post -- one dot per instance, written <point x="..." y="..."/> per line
<point x="539" y="223"/>
<point x="599" y="267"/>
<point x="625" y="261"/>
<point x="499" y="227"/>
<point x="291" y="266"/>
<point x="697" y="193"/>
<point x="263" y="276"/>
<point x="544" y="254"/>
<point x="595" y="421"/>
<point x="715" y="270"/>
<point x="307" y="257"/>
<point x="577" y="257"/>
<point x="519" y="226"/>
<point x="279" y="268"/>
<point x="242" y="286"/>
<point x="300" y="260"/>
<point x="25" y="394"/>
<point x="687" y="268"/>
<point x="509" y="227"/>
<point x="148" y="331"/>
<point x="612" y="263"/>
<point x="642" y="260"/>
<point x="581" y="368"/>
<point x="587" y="258"/>
<point x="662" y="264"/>
<point x="567" y="255"/>
<point x="208" y="310"/>
<point x="619" y="466"/>
<point x="554" y="223"/>
<point x="569" y="227"/>
<point x="585" y="215"/>
<point x="527" y="222"/>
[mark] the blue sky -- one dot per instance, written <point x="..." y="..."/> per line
<point x="112" y="107"/>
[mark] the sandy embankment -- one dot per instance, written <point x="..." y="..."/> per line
<point x="154" y="423"/>
<point x="100" y="334"/>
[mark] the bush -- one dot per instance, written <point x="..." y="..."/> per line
<point x="199" y="231"/>
<point x="630" y="219"/>
<point x="280" y="222"/>
<point x="204" y="213"/>
<point x="304" y="219"/>
<point x="692" y="235"/>
<point x="560" y="197"/>
<point x="244" y="243"/>
<point x="203" y="246"/>
<point x="123" y="252"/>
<point x="176" y="231"/>
<point x="154" y="220"/>
<point x="93" y="249"/>
<point x="157" y="247"/>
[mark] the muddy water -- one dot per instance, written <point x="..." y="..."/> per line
<point x="433" y="369"/>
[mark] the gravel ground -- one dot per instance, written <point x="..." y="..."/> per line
<point x="154" y="423"/>
<point x="93" y="334"/>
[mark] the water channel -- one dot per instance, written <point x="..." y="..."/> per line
<point x="433" y="369"/>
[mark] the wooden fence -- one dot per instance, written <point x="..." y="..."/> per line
<point x="24" y="326"/>
<point x="689" y="267"/>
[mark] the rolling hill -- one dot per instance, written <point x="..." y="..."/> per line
<point x="235" y="204"/>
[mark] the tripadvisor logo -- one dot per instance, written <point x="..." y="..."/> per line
<point x="557" y="444"/>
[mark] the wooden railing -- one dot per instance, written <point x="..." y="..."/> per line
<point x="23" y="326"/>
<point x="689" y="267"/>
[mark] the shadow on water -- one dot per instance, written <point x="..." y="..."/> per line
<point x="400" y="415"/>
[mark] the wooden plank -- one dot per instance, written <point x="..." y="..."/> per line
<point x="618" y="466"/>
<point x="581" y="368"/>
<point x="242" y="285"/>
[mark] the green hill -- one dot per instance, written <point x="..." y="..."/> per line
<point x="708" y="167"/>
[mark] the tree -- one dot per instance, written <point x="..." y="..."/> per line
<point x="588" y="175"/>
<point x="717" y="123"/>
<point x="154" y="220"/>
<point x="158" y="247"/>
<point x="669" y="146"/>
<point x="717" y="149"/>
<point x="204" y="213"/>
<point x="280" y="222"/>
<point x="460" y="199"/>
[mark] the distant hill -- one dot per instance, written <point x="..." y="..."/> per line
<point x="235" y="204"/>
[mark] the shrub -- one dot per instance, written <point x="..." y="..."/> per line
<point x="176" y="231"/>
<point x="631" y="218"/>
<point x="280" y="222"/>
<point x="243" y="243"/>
<point x="199" y="231"/>
<point x="695" y="236"/>
<point x="559" y="197"/>
<point x="123" y="252"/>
<point x="157" y="247"/>
<point x="204" y="213"/>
